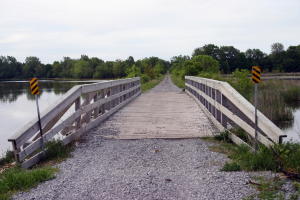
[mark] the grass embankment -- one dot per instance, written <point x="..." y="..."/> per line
<point x="14" y="179"/>
<point x="177" y="80"/>
<point x="151" y="83"/>
<point x="283" y="158"/>
<point x="279" y="158"/>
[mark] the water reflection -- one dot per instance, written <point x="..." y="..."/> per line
<point x="293" y="132"/>
<point x="11" y="90"/>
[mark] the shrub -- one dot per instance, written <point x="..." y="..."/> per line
<point x="231" y="167"/>
<point x="242" y="83"/>
<point x="8" y="158"/>
<point x="145" y="78"/>
<point x="56" y="150"/>
<point x="224" y="136"/>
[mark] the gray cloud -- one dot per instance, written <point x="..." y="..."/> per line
<point x="117" y="29"/>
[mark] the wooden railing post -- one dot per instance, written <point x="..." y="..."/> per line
<point x="77" y="107"/>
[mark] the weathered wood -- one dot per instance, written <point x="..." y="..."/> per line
<point x="76" y="124"/>
<point x="163" y="112"/>
<point x="67" y="123"/>
<point x="30" y="129"/>
<point x="236" y="119"/>
<point x="77" y="107"/>
<point x="272" y="131"/>
<point x="98" y="86"/>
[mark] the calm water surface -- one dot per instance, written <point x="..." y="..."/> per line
<point x="17" y="105"/>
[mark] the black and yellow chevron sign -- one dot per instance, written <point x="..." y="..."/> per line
<point x="34" y="86"/>
<point x="256" y="73"/>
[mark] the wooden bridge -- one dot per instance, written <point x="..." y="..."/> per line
<point x="205" y="108"/>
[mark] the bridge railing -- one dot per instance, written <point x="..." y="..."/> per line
<point x="227" y="108"/>
<point x="83" y="107"/>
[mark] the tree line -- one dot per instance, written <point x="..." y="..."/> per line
<point x="231" y="58"/>
<point x="228" y="60"/>
<point x="84" y="67"/>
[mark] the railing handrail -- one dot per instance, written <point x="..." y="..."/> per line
<point x="71" y="94"/>
<point x="267" y="126"/>
<point x="107" y="97"/>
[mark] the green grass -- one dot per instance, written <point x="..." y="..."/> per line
<point x="56" y="150"/>
<point x="279" y="158"/>
<point x="151" y="83"/>
<point x="233" y="166"/>
<point x="177" y="80"/>
<point x="7" y="158"/>
<point x="268" y="188"/>
<point x="17" y="179"/>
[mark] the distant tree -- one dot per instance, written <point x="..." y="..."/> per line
<point x="255" y="57"/>
<point x="10" y="67"/>
<point x="277" y="48"/>
<point x="231" y="59"/>
<point x="201" y="63"/>
<point x="277" y="56"/>
<point x="33" y="67"/>
<point x="291" y="62"/>
<point x="82" y="69"/>
<point x="209" y="49"/>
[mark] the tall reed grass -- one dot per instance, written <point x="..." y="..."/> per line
<point x="277" y="99"/>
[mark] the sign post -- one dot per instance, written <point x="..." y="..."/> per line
<point x="256" y="73"/>
<point x="35" y="91"/>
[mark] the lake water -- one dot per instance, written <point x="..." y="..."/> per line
<point x="293" y="132"/>
<point x="17" y="105"/>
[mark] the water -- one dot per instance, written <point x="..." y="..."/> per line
<point x="17" y="105"/>
<point x="293" y="132"/>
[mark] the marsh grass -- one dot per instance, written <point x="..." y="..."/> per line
<point x="277" y="100"/>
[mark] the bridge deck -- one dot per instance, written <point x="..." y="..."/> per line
<point x="163" y="112"/>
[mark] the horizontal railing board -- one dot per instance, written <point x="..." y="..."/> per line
<point x="244" y="105"/>
<point x="67" y="122"/>
<point x="98" y="86"/>
<point x="270" y="129"/>
<point x="32" y="127"/>
<point x="36" y="158"/>
<point x="236" y="119"/>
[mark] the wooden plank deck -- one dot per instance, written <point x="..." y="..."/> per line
<point x="163" y="112"/>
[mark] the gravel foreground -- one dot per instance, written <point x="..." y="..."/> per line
<point x="102" y="168"/>
<point x="143" y="169"/>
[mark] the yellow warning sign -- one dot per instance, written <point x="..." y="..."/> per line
<point x="34" y="86"/>
<point x="256" y="74"/>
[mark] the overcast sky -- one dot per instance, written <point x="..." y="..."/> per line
<point x="116" y="29"/>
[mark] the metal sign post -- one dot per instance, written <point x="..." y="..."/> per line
<point x="35" y="91"/>
<point x="256" y="73"/>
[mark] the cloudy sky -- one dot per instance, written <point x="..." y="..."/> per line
<point x="116" y="29"/>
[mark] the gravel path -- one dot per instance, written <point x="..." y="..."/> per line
<point x="142" y="169"/>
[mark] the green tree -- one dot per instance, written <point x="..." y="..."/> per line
<point x="33" y="67"/>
